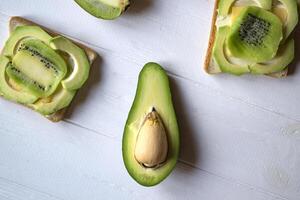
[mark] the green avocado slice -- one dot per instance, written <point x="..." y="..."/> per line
<point x="105" y="9"/>
<point x="283" y="58"/>
<point x="225" y="5"/>
<point x="7" y="91"/>
<point x="81" y="65"/>
<point x="153" y="91"/>
<point x="292" y="16"/>
<point x="59" y="100"/>
<point x="23" y="32"/>
<point x="220" y="57"/>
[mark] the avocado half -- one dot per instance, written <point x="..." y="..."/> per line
<point x="104" y="9"/>
<point x="153" y="92"/>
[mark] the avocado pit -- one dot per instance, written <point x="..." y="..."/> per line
<point x="151" y="147"/>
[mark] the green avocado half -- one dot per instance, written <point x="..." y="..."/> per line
<point x="105" y="9"/>
<point x="153" y="93"/>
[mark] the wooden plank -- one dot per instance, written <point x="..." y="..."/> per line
<point x="234" y="128"/>
<point x="44" y="160"/>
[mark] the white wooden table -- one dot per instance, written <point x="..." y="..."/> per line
<point x="240" y="136"/>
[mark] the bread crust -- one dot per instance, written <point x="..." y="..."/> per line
<point x="92" y="55"/>
<point x="207" y="62"/>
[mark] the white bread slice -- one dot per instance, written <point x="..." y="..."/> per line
<point x="208" y="66"/>
<point x="92" y="55"/>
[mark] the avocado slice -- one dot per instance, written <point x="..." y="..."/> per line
<point x="291" y="8"/>
<point x="59" y="100"/>
<point x="225" y="5"/>
<point x="20" y="33"/>
<point x="220" y="58"/>
<point x="7" y="91"/>
<point x="153" y="95"/>
<point x="81" y="65"/>
<point x="283" y="58"/>
<point x="105" y="9"/>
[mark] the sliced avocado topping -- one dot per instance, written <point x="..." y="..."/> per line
<point x="291" y="8"/>
<point x="59" y="100"/>
<point x="225" y="5"/>
<point x="8" y="91"/>
<point x="80" y="67"/>
<point x="150" y="128"/>
<point x="23" y="32"/>
<point x="219" y="55"/>
<point x="283" y="58"/>
<point x="37" y="67"/>
<point x="105" y="9"/>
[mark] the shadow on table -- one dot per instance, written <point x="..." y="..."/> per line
<point x="139" y="6"/>
<point x="189" y="149"/>
<point x="83" y="93"/>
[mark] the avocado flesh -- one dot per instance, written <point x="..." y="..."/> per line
<point x="20" y="33"/>
<point x="81" y="65"/>
<point x="283" y="58"/>
<point x="7" y="91"/>
<point x="105" y="9"/>
<point x="59" y="100"/>
<point x="220" y="57"/>
<point x="292" y="16"/>
<point x="32" y="70"/>
<point x="153" y="91"/>
<point x="225" y="5"/>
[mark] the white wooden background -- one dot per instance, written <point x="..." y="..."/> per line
<point x="240" y="136"/>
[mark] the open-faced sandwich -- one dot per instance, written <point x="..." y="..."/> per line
<point x="252" y="36"/>
<point x="41" y="69"/>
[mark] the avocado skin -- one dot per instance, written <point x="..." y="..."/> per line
<point x="151" y="177"/>
<point x="102" y="10"/>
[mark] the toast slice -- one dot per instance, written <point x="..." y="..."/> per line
<point x="92" y="55"/>
<point x="209" y="67"/>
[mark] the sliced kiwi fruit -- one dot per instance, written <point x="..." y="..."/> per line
<point x="283" y="58"/>
<point x="105" y="9"/>
<point x="23" y="32"/>
<point x="37" y="68"/>
<point x="7" y="90"/>
<point x="255" y="35"/>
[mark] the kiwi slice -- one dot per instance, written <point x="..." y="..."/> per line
<point x="23" y="32"/>
<point x="37" y="68"/>
<point x="255" y="35"/>
<point x="7" y="90"/>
